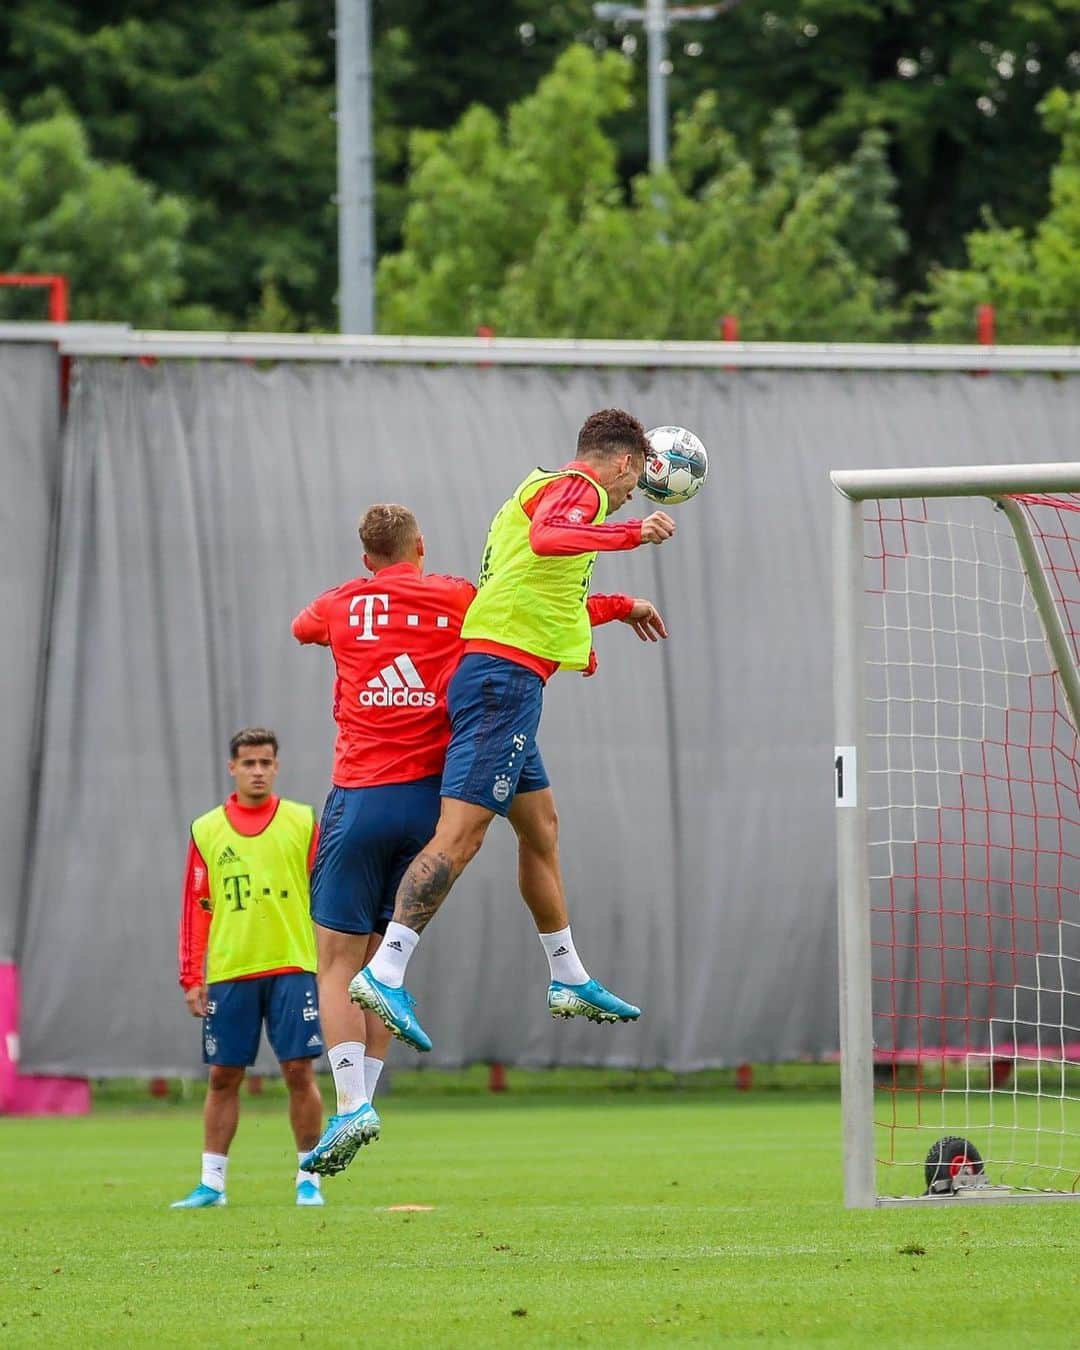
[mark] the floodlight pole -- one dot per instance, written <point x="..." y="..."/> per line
<point x="656" y="20"/>
<point x="656" y="25"/>
<point x="355" y="169"/>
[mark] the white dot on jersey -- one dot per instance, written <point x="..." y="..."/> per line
<point x="442" y="621"/>
<point x="382" y="620"/>
<point x="412" y="620"/>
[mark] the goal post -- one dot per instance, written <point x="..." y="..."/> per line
<point x="957" y="785"/>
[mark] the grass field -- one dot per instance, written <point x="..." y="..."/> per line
<point x="574" y="1215"/>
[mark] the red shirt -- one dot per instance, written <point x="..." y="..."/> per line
<point x="195" y="915"/>
<point x="562" y="515"/>
<point x="396" y="641"/>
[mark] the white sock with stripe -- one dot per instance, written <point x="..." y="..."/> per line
<point x="563" y="958"/>
<point x="389" y="962"/>
<point x="213" y="1170"/>
<point x="347" y="1066"/>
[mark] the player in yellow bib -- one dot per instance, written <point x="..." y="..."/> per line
<point x="247" y="956"/>
<point x="531" y="617"/>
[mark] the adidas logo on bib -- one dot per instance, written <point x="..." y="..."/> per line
<point x="397" y="685"/>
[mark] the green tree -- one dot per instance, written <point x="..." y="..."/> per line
<point x="225" y="105"/>
<point x="449" y="57"/>
<point x="117" y="239"/>
<point x="954" y="85"/>
<point x="524" y="225"/>
<point x="1032" y="280"/>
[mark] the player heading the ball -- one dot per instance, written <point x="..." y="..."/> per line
<point x="530" y="618"/>
<point x="395" y="636"/>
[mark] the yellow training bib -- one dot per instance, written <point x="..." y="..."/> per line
<point x="532" y="603"/>
<point x="259" y="893"/>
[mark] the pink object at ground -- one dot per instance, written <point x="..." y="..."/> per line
<point x="31" y="1094"/>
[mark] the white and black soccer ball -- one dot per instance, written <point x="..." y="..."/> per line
<point x="675" y="467"/>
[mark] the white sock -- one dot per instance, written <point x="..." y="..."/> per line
<point x="213" y="1170"/>
<point x="389" y="962"/>
<point x="372" y="1069"/>
<point x="347" y="1066"/>
<point x="563" y="958"/>
<point x="301" y="1175"/>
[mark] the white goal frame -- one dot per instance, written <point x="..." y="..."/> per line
<point x="852" y="489"/>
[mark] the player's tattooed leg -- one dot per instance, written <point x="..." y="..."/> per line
<point x="423" y="889"/>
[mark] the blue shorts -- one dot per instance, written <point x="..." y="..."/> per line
<point x="494" y="708"/>
<point x="367" y="838"/>
<point x="236" y="1010"/>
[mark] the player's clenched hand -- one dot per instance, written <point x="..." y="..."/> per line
<point x="646" y="621"/>
<point x="195" y="997"/>
<point x="656" y="528"/>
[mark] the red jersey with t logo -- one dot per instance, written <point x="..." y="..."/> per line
<point x="396" y="641"/>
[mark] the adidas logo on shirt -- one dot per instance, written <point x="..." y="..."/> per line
<point x="397" y="685"/>
<point x="229" y="856"/>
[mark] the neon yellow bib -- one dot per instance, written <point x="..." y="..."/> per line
<point x="525" y="601"/>
<point x="258" y="893"/>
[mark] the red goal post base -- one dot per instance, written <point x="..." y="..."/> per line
<point x="53" y="282"/>
<point x="59" y="301"/>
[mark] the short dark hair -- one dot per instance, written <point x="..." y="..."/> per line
<point x="611" y="432"/>
<point x="388" y="530"/>
<point x="249" y="737"/>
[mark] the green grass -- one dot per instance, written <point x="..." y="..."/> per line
<point x="566" y="1212"/>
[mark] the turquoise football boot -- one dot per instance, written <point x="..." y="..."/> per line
<point x="307" y="1193"/>
<point x="202" y="1197"/>
<point x="589" y="1000"/>
<point x="341" y="1141"/>
<point x="393" y="1006"/>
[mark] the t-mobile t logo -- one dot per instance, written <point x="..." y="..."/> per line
<point x="370" y="618"/>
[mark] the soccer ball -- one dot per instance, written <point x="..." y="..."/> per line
<point x="675" y="466"/>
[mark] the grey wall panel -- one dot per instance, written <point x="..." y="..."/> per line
<point x="29" y="458"/>
<point x="206" y="503"/>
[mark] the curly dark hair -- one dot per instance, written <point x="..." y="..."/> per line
<point x="611" y="432"/>
<point x="250" y="737"/>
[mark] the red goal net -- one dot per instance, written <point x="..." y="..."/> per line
<point x="973" y="818"/>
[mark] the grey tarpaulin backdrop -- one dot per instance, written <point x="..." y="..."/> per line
<point x="29" y="460"/>
<point x="204" y="504"/>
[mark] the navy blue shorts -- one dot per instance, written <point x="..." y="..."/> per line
<point x="494" y="708"/>
<point x="367" y="838"/>
<point x="236" y="1010"/>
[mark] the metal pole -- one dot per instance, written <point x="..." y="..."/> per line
<point x="656" y="31"/>
<point x="853" y="884"/>
<point x="982" y="480"/>
<point x="1053" y="630"/>
<point x="356" y="178"/>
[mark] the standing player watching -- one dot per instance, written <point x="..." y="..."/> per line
<point x="529" y="619"/>
<point x="245" y="914"/>
<point x="396" y="640"/>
